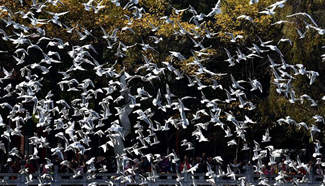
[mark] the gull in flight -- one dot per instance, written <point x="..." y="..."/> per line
<point x="304" y="14"/>
<point x="253" y="2"/>
<point x="7" y="74"/>
<point x="215" y="10"/>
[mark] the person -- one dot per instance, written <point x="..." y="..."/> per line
<point x="185" y="165"/>
<point x="30" y="166"/>
<point x="136" y="165"/>
<point x="165" y="166"/>
<point x="266" y="170"/>
<point x="203" y="164"/>
<point x="319" y="170"/>
<point x="144" y="165"/>
<point x="128" y="164"/>
<point x="198" y="160"/>
<point x="282" y="166"/>
<point x="43" y="169"/>
<point x="235" y="166"/>
<point x="274" y="169"/>
<point x="211" y="163"/>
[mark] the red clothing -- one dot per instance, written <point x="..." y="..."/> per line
<point x="30" y="167"/>
<point x="181" y="167"/>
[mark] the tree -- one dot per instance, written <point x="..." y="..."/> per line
<point x="118" y="76"/>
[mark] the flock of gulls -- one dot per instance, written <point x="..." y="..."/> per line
<point x="74" y="121"/>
